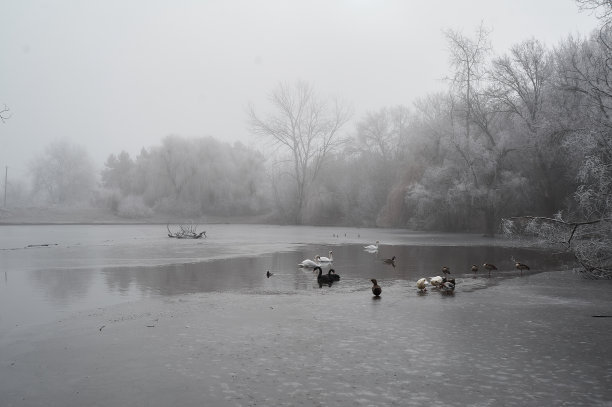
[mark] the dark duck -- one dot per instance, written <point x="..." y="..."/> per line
<point x="376" y="290"/>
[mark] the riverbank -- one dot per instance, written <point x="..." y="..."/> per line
<point x="530" y="341"/>
<point x="99" y="216"/>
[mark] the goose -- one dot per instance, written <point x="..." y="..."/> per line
<point x="310" y="263"/>
<point x="268" y="274"/>
<point x="489" y="267"/>
<point x="332" y="275"/>
<point x="436" y="281"/>
<point x="376" y="290"/>
<point x="474" y="268"/>
<point x="445" y="270"/>
<point x="322" y="278"/>
<point x="521" y="266"/>
<point x="422" y="284"/>
<point x="372" y="247"/>
<point x="327" y="259"/>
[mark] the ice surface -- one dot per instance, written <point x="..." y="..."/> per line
<point x="216" y="331"/>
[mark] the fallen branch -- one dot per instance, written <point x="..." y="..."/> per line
<point x="186" y="232"/>
<point x="590" y="247"/>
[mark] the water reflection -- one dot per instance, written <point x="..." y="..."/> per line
<point x="30" y="294"/>
<point x="356" y="266"/>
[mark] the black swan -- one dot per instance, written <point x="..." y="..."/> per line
<point x="322" y="278"/>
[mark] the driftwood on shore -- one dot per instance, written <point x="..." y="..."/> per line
<point x="186" y="232"/>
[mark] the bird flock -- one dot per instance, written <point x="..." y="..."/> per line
<point x="443" y="283"/>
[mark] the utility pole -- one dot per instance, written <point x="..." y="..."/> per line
<point x="5" y="183"/>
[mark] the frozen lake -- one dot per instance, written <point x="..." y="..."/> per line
<point x="123" y="315"/>
<point x="50" y="271"/>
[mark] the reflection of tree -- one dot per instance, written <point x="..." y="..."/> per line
<point x="63" y="286"/>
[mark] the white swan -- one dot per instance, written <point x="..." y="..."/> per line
<point x="372" y="247"/>
<point x="310" y="263"/>
<point x="326" y="259"/>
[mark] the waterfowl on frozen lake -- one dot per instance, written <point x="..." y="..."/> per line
<point x="332" y="275"/>
<point x="322" y="278"/>
<point x="422" y="284"/>
<point x="326" y="259"/>
<point x="310" y="263"/>
<point x="372" y="247"/>
<point x="521" y="266"/>
<point x="436" y="281"/>
<point x="489" y="267"/>
<point x="376" y="290"/>
<point x="448" y="286"/>
<point x="445" y="270"/>
<point x="389" y="261"/>
<point x="474" y="268"/>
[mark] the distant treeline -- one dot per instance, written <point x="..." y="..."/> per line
<point x="526" y="132"/>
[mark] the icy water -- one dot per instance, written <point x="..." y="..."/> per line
<point x="123" y="315"/>
<point x="49" y="271"/>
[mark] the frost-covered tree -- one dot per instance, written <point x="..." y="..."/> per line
<point x="583" y="75"/>
<point x="63" y="174"/>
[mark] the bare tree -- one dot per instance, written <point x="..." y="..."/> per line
<point x="602" y="8"/>
<point x="305" y="126"/>
<point x="467" y="56"/>
<point x="4" y="114"/>
<point x="384" y="132"/>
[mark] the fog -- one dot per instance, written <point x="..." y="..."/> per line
<point x="112" y="76"/>
<point x="395" y="114"/>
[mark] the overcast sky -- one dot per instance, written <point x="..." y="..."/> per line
<point x="120" y="75"/>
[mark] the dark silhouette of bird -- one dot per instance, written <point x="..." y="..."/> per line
<point x="323" y="278"/>
<point x="445" y="270"/>
<point x="332" y="275"/>
<point x="268" y="274"/>
<point x="489" y="267"/>
<point x="521" y="266"/>
<point x="376" y="290"/>
<point x="390" y="261"/>
<point x="474" y="268"/>
<point x="448" y="286"/>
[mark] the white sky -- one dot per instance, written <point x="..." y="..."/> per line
<point x="118" y="75"/>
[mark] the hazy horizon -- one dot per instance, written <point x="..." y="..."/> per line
<point x="116" y="76"/>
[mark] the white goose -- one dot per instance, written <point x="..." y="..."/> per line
<point x="436" y="281"/>
<point x="422" y="284"/>
<point x="326" y="259"/>
<point x="372" y="247"/>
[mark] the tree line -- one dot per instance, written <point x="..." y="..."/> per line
<point x="526" y="132"/>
